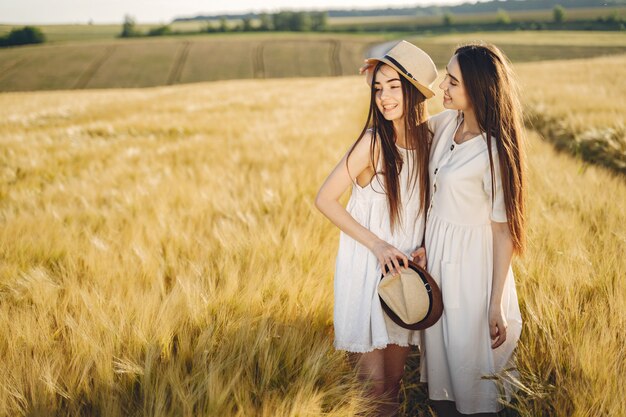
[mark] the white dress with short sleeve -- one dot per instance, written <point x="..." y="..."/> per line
<point x="456" y="352"/>
<point x="359" y="321"/>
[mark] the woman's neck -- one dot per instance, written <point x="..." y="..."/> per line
<point x="468" y="128"/>
<point x="470" y="123"/>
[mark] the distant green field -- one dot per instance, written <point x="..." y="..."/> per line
<point x="146" y="62"/>
<point x="365" y="22"/>
<point x="87" y="32"/>
<point x="533" y="38"/>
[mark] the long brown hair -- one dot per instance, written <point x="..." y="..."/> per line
<point x="492" y="90"/>
<point x="418" y="137"/>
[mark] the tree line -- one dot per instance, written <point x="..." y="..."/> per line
<point x="500" y="20"/>
<point x="503" y="18"/>
<point x="282" y="21"/>
<point x="292" y="21"/>
<point x="464" y="8"/>
<point x="23" y="36"/>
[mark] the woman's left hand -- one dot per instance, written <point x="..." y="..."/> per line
<point x="419" y="256"/>
<point x="497" y="325"/>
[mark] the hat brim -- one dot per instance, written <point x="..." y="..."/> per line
<point x="435" y="308"/>
<point x="425" y="90"/>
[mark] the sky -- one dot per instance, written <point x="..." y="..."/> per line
<point x="163" y="11"/>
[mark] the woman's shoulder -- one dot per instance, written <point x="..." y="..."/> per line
<point x="363" y="146"/>
<point x="365" y="141"/>
<point x="370" y="136"/>
<point x="438" y="124"/>
<point x="441" y="119"/>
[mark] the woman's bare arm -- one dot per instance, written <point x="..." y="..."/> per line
<point x="327" y="201"/>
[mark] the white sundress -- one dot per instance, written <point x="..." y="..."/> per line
<point x="456" y="352"/>
<point x="359" y="321"/>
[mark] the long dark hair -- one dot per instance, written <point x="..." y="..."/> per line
<point x="492" y="90"/>
<point x="418" y="138"/>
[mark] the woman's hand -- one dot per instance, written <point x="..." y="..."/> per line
<point x="388" y="257"/>
<point x="502" y="253"/>
<point x="368" y="70"/>
<point x="497" y="325"/>
<point x="419" y="257"/>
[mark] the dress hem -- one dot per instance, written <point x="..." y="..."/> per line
<point x="466" y="412"/>
<point x="364" y="349"/>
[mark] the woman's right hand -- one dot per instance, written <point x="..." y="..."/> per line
<point x="368" y="70"/>
<point x="389" y="257"/>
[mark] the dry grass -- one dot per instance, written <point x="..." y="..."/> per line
<point x="161" y="255"/>
<point x="584" y="93"/>
<point x="579" y="106"/>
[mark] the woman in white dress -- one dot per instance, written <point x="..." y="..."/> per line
<point x="475" y="223"/>
<point x="387" y="170"/>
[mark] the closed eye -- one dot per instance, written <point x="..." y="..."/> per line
<point x="453" y="80"/>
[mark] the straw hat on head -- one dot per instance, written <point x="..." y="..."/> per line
<point x="413" y="63"/>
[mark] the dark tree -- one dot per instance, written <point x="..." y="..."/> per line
<point x="558" y="14"/>
<point x="319" y="21"/>
<point x="24" y="36"/>
<point x="247" y="24"/>
<point x="223" y="25"/>
<point x="266" y="22"/>
<point x="129" y="28"/>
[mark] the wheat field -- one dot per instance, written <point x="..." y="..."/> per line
<point x="161" y="256"/>
<point x="157" y="61"/>
<point x="580" y="106"/>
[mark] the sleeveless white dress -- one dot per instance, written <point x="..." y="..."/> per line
<point x="456" y="352"/>
<point x="359" y="322"/>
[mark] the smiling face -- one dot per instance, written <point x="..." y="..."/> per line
<point x="454" y="94"/>
<point x="389" y="97"/>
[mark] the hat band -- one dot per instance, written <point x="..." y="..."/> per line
<point x="400" y="67"/>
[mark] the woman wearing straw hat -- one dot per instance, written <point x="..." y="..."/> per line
<point x="475" y="223"/>
<point x="387" y="170"/>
